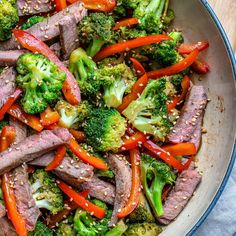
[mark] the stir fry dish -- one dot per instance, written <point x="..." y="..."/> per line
<point x="100" y="120"/>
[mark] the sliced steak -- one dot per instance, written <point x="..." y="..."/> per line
<point x="192" y="111"/>
<point x="71" y="171"/>
<point x="56" y="48"/>
<point x="122" y="171"/>
<point x="29" y="7"/>
<point x="179" y="196"/>
<point x="2" y="210"/>
<point x="49" y="29"/>
<point x="20" y="128"/>
<point x="68" y="35"/>
<point x="32" y="147"/>
<point x="7" y="84"/>
<point x="9" y="58"/>
<point x="6" y="227"/>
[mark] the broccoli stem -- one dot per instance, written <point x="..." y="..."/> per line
<point x="95" y="47"/>
<point x="35" y="186"/>
<point x="44" y="204"/>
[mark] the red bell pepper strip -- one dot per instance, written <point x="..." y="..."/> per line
<point x="11" y="207"/>
<point x="9" y="102"/>
<point x="8" y="136"/>
<point x="138" y="66"/>
<point x="81" y="201"/>
<point x="78" y="135"/>
<point x="188" y="163"/>
<point x="60" y="4"/>
<point x="52" y="126"/>
<point x="200" y="67"/>
<point x="30" y="120"/>
<point x="49" y="117"/>
<point x="130" y="44"/>
<point x="97" y="5"/>
<point x="172" y="104"/>
<point x="158" y="152"/>
<point x="85" y="156"/>
<point x="136" y="90"/>
<point x="126" y="22"/>
<point x="136" y="185"/>
<point x="60" y="153"/>
<point x="176" y="68"/>
<point x="133" y="141"/>
<point x="188" y="48"/>
<point x="70" y="88"/>
<point x="180" y="149"/>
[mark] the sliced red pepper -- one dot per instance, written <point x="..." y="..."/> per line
<point x="130" y="44"/>
<point x="9" y="102"/>
<point x="30" y="120"/>
<point x="81" y="201"/>
<point x="200" y="67"/>
<point x="8" y="136"/>
<point x="188" y="48"/>
<point x="60" y="153"/>
<point x="176" y="68"/>
<point x="10" y="202"/>
<point x="158" y="152"/>
<point x="136" y="185"/>
<point x="188" y="163"/>
<point x="70" y="88"/>
<point x="138" y="66"/>
<point x="52" y="127"/>
<point x="85" y="156"/>
<point x="180" y="149"/>
<point x="78" y="135"/>
<point x="97" y="5"/>
<point x="49" y="117"/>
<point x="136" y="90"/>
<point x="126" y="22"/>
<point x="133" y="141"/>
<point x="172" y="104"/>
<point x="60" y="4"/>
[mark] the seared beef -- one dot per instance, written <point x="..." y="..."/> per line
<point x="32" y="7"/>
<point x="56" y="48"/>
<point x="191" y="112"/>
<point x="2" y="210"/>
<point x="32" y="147"/>
<point x="68" y="35"/>
<point x="20" y="128"/>
<point x="71" y="171"/>
<point x="6" y="227"/>
<point x="179" y="196"/>
<point x="122" y="171"/>
<point x="49" y="29"/>
<point x="7" y="84"/>
<point x="9" y="58"/>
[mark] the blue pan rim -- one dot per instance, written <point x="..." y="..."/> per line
<point x="233" y="155"/>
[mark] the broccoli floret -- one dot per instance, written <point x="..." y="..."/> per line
<point x="41" y="81"/>
<point x="132" y="4"/>
<point x="45" y="191"/>
<point x="72" y="116"/>
<point x="8" y="18"/>
<point x="104" y="129"/>
<point x="143" y="229"/>
<point x="131" y="33"/>
<point x="3" y="123"/>
<point x="96" y="30"/>
<point x="41" y="230"/>
<point x="176" y="81"/>
<point x="1" y="197"/>
<point x="149" y="113"/>
<point x="118" y="230"/>
<point x="65" y="229"/>
<point x="119" y="11"/>
<point x="177" y="37"/>
<point x="142" y="212"/>
<point x="105" y="174"/>
<point x="110" y="61"/>
<point x="155" y="175"/>
<point x="32" y="21"/>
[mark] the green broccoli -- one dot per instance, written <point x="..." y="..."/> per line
<point x="131" y="4"/>
<point x="143" y="229"/>
<point x="118" y="230"/>
<point x="131" y="33"/>
<point x="105" y="173"/>
<point x="1" y="197"/>
<point x="3" y="123"/>
<point x="119" y="11"/>
<point x="142" y="212"/>
<point x="41" y="81"/>
<point x="176" y="81"/>
<point x="72" y="116"/>
<point x="104" y="129"/>
<point x="149" y="113"/>
<point x="110" y="61"/>
<point x="155" y="175"/>
<point x="8" y="18"/>
<point x="32" y="21"/>
<point x="96" y="31"/>
<point x="45" y="191"/>
<point x="41" y="230"/>
<point x="65" y="229"/>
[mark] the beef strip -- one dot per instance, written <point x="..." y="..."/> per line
<point x="29" y="7"/>
<point x="7" y="84"/>
<point x="9" y="58"/>
<point x="56" y="48"/>
<point x="72" y="171"/>
<point x="48" y="30"/>
<point x="19" y="176"/>
<point x="122" y="171"/>
<point x="179" y="196"/>
<point x="68" y="35"/>
<point x="32" y="147"/>
<point x="190" y="114"/>
<point x="6" y="227"/>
